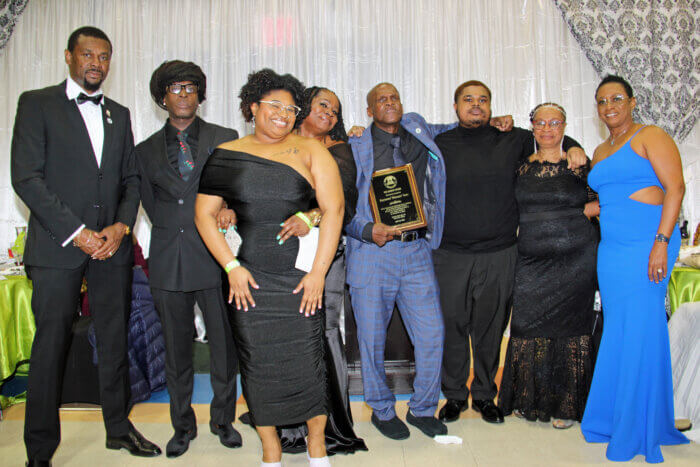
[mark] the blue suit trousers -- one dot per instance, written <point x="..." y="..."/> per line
<point x="402" y="274"/>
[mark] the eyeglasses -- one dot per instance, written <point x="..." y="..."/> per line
<point x="178" y="88"/>
<point x="279" y="107"/>
<point x="553" y="124"/>
<point x="616" y="100"/>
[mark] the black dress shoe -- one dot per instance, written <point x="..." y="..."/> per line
<point x="392" y="428"/>
<point x="180" y="442"/>
<point x="431" y="426"/>
<point x="37" y="463"/>
<point x="489" y="411"/>
<point x="134" y="442"/>
<point x="227" y="434"/>
<point x="450" y="411"/>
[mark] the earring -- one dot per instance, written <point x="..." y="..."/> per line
<point x="253" y="120"/>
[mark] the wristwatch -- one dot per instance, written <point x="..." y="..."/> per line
<point x="661" y="238"/>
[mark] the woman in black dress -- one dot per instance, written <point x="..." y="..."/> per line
<point x="548" y="366"/>
<point x="321" y="118"/>
<point x="266" y="177"/>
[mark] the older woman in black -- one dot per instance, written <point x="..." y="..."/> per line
<point x="548" y="365"/>
<point x="266" y="177"/>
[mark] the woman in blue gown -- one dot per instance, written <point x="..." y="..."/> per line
<point x="638" y="176"/>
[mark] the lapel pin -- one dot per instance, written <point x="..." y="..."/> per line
<point x="109" y="114"/>
<point x="109" y="120"/>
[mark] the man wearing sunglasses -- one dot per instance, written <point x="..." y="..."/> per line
<point x="182" y="271"/>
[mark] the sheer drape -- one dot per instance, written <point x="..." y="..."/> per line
<point x="522" y="49"/>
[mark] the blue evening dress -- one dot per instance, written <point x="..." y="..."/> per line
<point x="630" y="403"/>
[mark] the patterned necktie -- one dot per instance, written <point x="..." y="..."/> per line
<point x="185" y="164"/>
<point x="397" y="155"/>
<point x="82" y="97"/>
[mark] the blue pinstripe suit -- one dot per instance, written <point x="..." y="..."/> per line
<point x="400" y="273"/>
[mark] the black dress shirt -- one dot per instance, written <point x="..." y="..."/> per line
<point x="481" y="214"/>
<point x="173" y="145"/>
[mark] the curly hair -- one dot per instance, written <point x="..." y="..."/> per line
<point x="616" y="79"/>
<point x="262" y="82"/>
<point x="337" y="133"/>
<point x="173" y="71"/>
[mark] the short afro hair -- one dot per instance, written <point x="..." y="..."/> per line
<point x="337" y="133"/>
<point x="87" y="31"/>
<point x="616" y="79"/>
<point x="262" y="82"/>
<point x="174" y="71"/>
<point x="473" y="82"/>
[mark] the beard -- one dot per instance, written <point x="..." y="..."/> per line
<point x="92" y="87"/>
<point x="476" y="121"/>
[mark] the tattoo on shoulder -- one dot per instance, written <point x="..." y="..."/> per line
<point x="288" y="152"/>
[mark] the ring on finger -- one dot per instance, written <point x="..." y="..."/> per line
<point x="660" y="271"/>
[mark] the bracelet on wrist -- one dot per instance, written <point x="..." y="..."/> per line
<point x="316" y="217"/>
<point x="661" y="238"/>
<point x="231" y="264"/>
<point x="306" y="220"/>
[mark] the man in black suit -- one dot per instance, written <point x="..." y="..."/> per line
<point x="182" y="271"/>
<point x="73" y="166"/>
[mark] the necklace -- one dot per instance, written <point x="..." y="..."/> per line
<point x="613" y="138"/>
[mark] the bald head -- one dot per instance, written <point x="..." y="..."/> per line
<point x="373" y="92"/>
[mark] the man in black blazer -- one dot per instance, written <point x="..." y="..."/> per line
<point x="73" y="166"/>
<point x="182" y="271"/>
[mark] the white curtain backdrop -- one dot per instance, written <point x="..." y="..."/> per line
<point x="521" y="48"/>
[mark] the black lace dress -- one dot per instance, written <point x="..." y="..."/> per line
<point x="548" y="365"/>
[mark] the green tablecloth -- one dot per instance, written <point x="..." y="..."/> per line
<point x="17" y="327"/>
<point x="683" y="287"/>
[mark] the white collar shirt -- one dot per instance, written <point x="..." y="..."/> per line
<point x="92" y="116"/>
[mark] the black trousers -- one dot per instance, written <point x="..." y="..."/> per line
<point x="55" y="301"/>
<point x="476" y="296"/>
<point x="176" y="310"/>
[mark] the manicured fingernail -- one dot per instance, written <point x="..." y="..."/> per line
<point x="313" y="312"/>
<point x="278" y="237"/>
<point x="223" y="230"/>
<point x="219" y="229"/>
<point x="281" y="242"/>
<point x="282" y="224"/>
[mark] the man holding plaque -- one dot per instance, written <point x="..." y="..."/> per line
<point x="475" y="264"/>
<point x="389" y="255"/>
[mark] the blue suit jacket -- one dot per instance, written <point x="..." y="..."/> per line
<point x="360" y="254"/>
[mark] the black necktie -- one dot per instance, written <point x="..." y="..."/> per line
<point x="96" y="99"/>
<point x="184" y="161"/>
<point x="397" y="155"/>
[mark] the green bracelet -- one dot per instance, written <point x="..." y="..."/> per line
<point x="231" y="264"/>
<point x="303" y="217"/>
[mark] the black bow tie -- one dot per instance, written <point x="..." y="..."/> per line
<point x="96" y="99"/>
